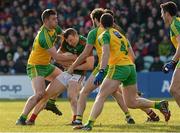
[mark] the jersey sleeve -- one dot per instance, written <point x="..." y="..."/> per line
<point x="91" y="38"/>
<point x="82" y="40"/>
<point x="63" y="46"/>
<point x="44" y="40"/>
<point x="58" y="30"/>
<point x="104" y="38"/>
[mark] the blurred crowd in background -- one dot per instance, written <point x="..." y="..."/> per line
<point x="140" y="19"/>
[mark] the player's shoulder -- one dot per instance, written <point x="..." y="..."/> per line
<point x="82" y="38"/>
<point x="58" y="29"/>
<point x="117" y="33"/>
<point x="42" y="30"/>
<point x="93" y="31"/>
<point x="176" y="22"/>
<point x="42" y="35"/>
<point x="106" y="32"/>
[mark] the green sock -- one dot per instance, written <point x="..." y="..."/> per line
<point x="51" y="101"/>
<point x="23" y="117"/>
<point x="127" y="114"/>
<point x="157" y="105"/>
<point x="90" y="122"/>
<point x="79" y="117"/>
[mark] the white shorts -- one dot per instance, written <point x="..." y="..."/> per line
<point x="77" y="78"/>
<point x="64" y="78"/>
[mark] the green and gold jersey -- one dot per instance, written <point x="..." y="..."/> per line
<point x="175" y="30"/>
<point x="92" y="39"/>
<point x="44" y="40"/>
<point x="65" y="47"/>
<point x="118" y="47"/>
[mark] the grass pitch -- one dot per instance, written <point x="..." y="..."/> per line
<point x="112" y="119"/>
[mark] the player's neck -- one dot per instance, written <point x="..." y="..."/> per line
<point x="97" y="24"/>
<point x="47" y="27"/>
<point x="170" y="20"/>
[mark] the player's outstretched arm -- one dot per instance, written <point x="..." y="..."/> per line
<point x="104" y="61"/>
<point x="172" y="64"/>
<point x="131" y="53"/>
<point x="88" y="65"/>
<point x="105" y="56"/>
<point x="60" y="57"/>
<point x="81" y="58"/>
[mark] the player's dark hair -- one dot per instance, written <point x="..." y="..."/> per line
<point x="107" y="20"/>
<point x="69" y="31"/>
<point x="109" y="11"/>
<point x="97" y="13"/>
<point x="46" y="13"/>
<point x="169" y="7"/>
<point x="117" y="27"/>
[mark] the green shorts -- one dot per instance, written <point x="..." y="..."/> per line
<point x="178" y="64"/>
<point x="125" y="74"/>
<point x="96" y="70"/>
<point x="39" y="70"/>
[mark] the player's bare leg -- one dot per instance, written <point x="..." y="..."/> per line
<point x="55" y="87"/>
<point x="81" y="104"/>
<point x="175" y="86"/>
<point x="38" y="85"/>
<point x="132" y="101"/>
<point x="107" y="88"/>
<point x="119" y="99"/>
<point x="51" y="106"/>
<point x="73" y="92"/>
<point x="153" y="117"/>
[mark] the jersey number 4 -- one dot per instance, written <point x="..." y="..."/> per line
<point x="123" y="48"/>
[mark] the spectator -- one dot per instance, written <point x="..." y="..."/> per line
<point x="157" y="64"/>
<point x="11" y="67"/>
<point x="2" y="51"/>
<point x="140" y="19"/>
<point x="164" y="47"/>
<point x="139" y="61"/>
<point x="3" y="67"/>
<point x="20" y="65"/>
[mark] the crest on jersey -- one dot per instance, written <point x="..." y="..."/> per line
<point x="116" y="33"/>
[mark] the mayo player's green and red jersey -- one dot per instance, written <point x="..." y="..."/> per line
<point x="65" y="47"/>
<point x="78" y="49"/>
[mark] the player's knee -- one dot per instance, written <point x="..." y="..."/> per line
<point x="114" y="93"/>
<point x="39" y="96"/>
<point x="69" y="97"/>
<point x="100" y="97"/>
<point x="73" y="101"/>
<point x="84" y="92"/>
